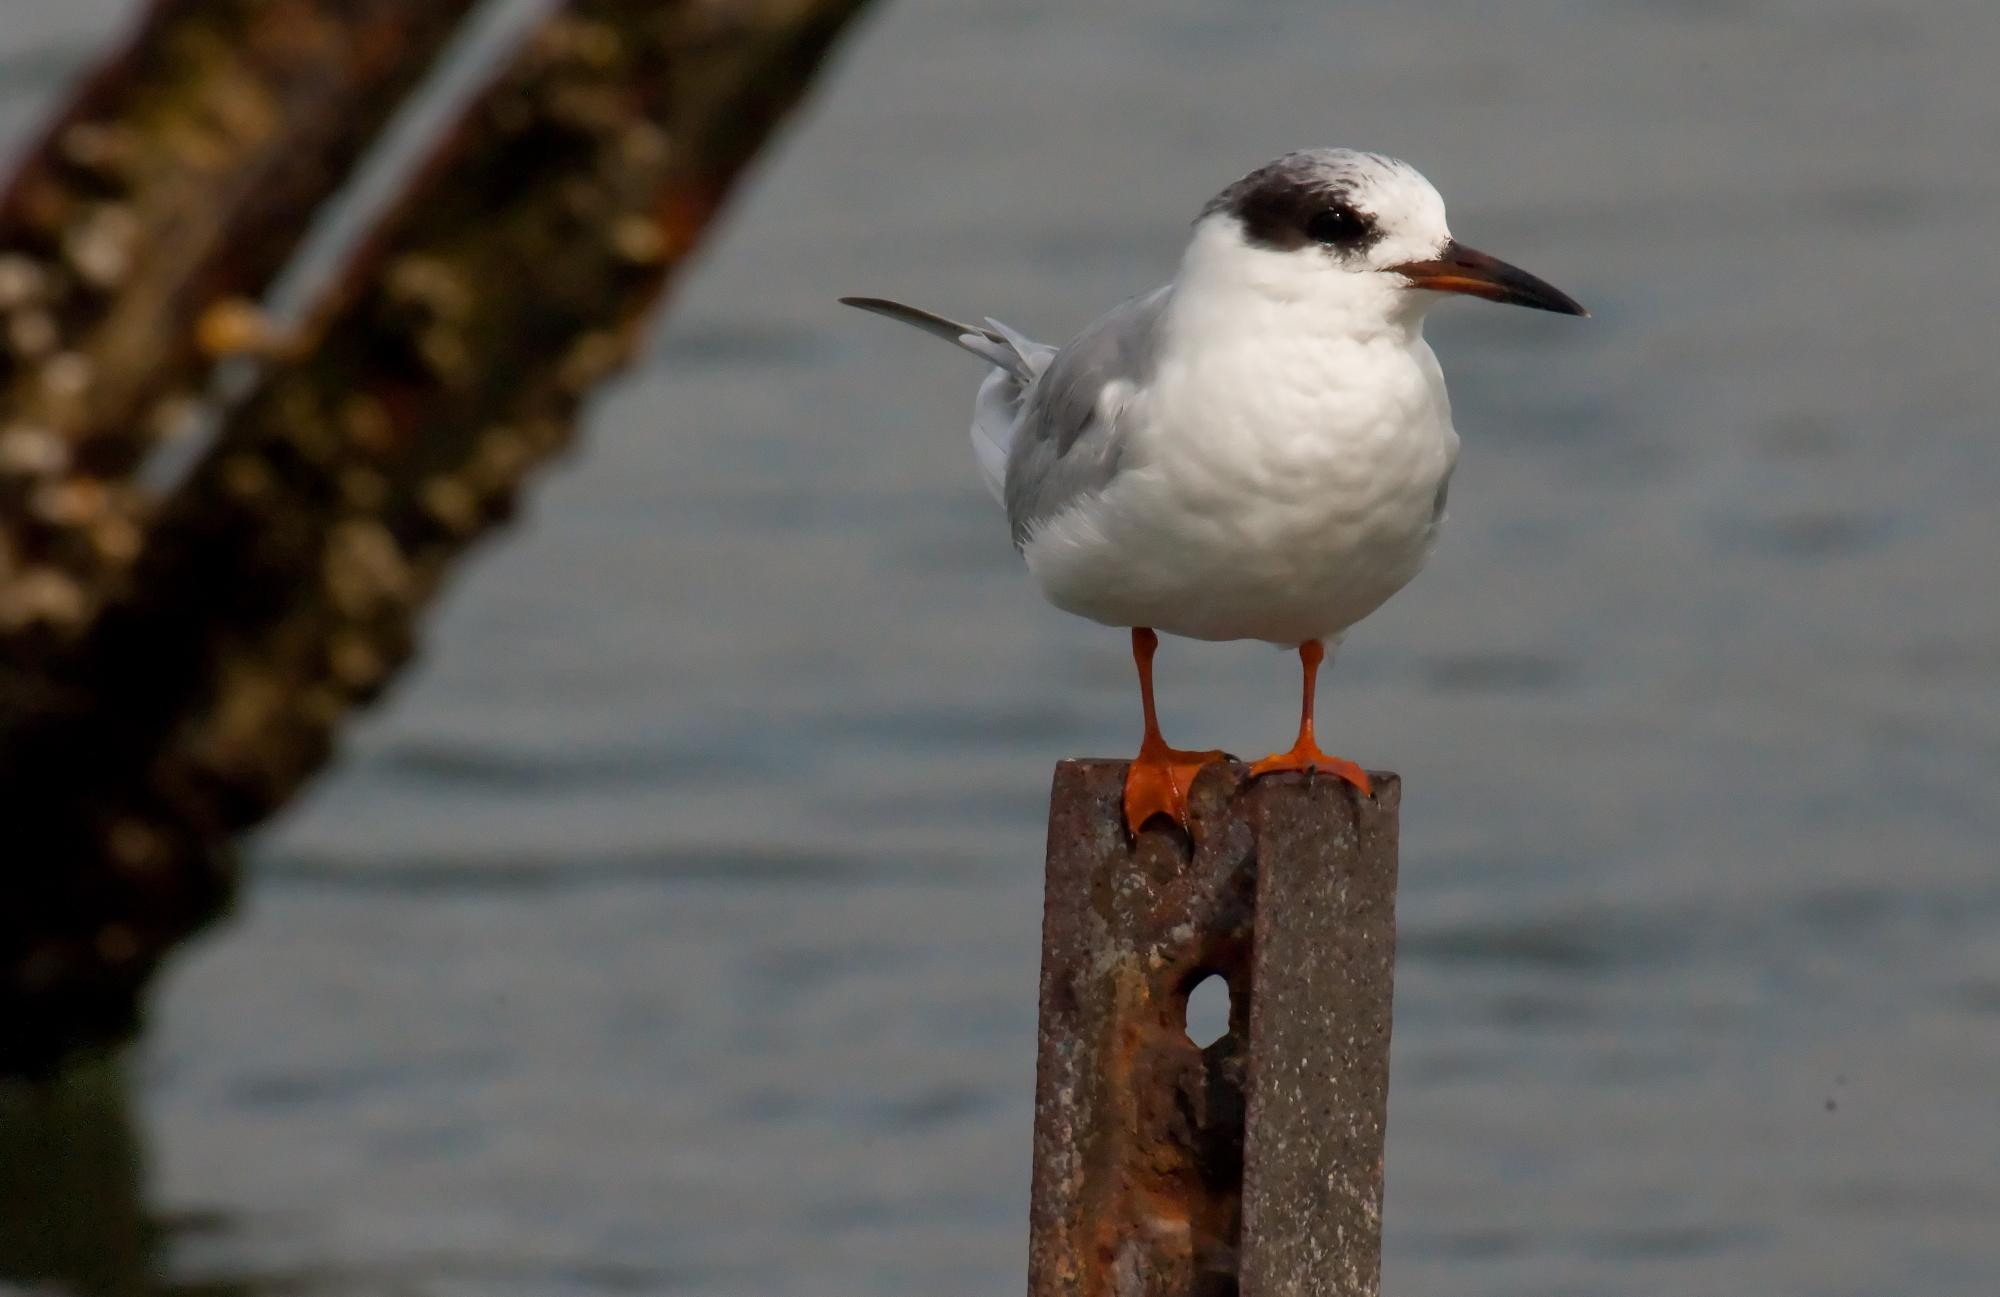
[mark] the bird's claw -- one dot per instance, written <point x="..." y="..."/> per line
<point x="1306" y="756"/>
<point x="1158" y="782"/>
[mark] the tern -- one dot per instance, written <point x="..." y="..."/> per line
<point x="1260" y="449"/>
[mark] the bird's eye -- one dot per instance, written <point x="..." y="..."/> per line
<point x="1338" y="227"/>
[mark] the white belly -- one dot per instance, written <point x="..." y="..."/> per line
<point x="1266" y="495"/>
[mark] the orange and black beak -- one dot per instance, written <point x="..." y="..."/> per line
<point x="1459" y="269"/>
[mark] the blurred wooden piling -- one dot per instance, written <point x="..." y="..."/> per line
<point x="1253" y="1166"/>
<point x="184" y="172"/>
<point x="176" y="659"/>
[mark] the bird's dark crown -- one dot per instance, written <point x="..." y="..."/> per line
<point x="1301" y="199"/>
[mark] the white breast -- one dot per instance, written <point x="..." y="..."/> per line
<point x="1285" y="476"/>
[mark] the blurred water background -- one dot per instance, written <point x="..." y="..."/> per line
<point x="674" y="926"/>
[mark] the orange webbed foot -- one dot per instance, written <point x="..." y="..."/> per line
<point x="1157" y="783"/>
<point x="1306" y="756"/>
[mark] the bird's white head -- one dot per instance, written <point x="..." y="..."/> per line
<point x="1360" y="234"/>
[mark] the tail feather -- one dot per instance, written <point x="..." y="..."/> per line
<point x="1017" y="362"/>
<point x="1035" y="356"/>
<point x="997" y="345"/>
<point x="983" y="343"/>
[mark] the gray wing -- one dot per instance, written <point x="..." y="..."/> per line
<point x="1068" y="442"/>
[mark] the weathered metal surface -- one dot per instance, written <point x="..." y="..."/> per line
<point x="1319" y="1039"/>
<point x="1286" y="892"/>
<point x="1138" y="1134"/>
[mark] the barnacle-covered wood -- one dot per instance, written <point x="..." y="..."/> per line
<point x="280" y="586"/>
<point x="175" y="185"/>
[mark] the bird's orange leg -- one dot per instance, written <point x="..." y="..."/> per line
<point x="1158" y="779"/>
<point x="1305" y="754"/>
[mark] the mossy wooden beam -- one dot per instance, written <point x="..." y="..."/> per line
<point x="281" y="585"/>
<point x="176" y="183"/>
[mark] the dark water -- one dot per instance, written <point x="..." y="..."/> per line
<point x="674" y="927"/>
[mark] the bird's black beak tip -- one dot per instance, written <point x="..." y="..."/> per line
<point x="1459" y="269"/>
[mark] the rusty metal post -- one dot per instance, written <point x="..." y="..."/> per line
<point x="1253" y="1166"/>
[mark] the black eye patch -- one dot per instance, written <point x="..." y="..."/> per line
<point x="1283" y="210"/>
<point x="1340" y="226"/>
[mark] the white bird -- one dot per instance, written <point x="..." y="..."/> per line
<point x="1258" y="450"/>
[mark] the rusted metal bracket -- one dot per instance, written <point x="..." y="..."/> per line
<point x="1253" y="1166"/>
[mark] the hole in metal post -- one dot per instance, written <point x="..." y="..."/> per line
<point x="1208" y="1011"/>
